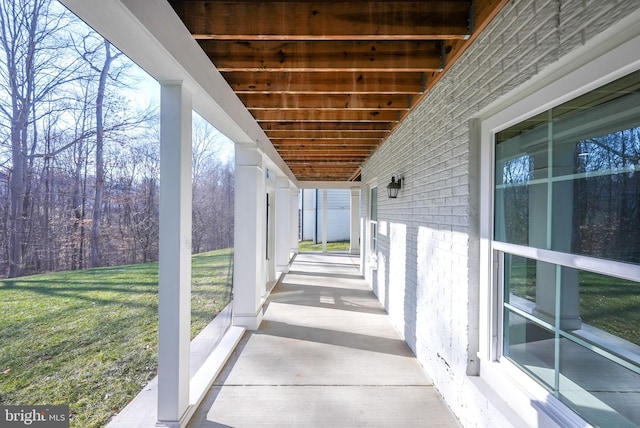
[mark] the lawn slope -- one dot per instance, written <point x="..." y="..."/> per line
<point x="89" y="338"/>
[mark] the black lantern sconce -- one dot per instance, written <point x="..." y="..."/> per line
<point x="394" y="187"/>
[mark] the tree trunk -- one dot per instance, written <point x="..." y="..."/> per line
<point x="16" y="190"/>
<point x="99" y="186"/>
<point x="30" y="77"/>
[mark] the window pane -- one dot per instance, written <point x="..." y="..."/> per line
<point x="521" y="215"/>
<point x="521" y="172"/>
<point x="598" y="216"/>
<point x="530" y="286"/>
<point x="569" y="179"/>
<point x="374" y="204"/>
<point x="531" y="347"/>
<point x="601" y="391"/>
<point x="522" y="151"/>
<point x="374" y="238"/>
<point x="610" y="311"/>
<point x="599" y="381"/>
<point x="520" y="280"/>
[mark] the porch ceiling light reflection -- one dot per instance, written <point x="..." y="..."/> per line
<point x="394" y="187"/>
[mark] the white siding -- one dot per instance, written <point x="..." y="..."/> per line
<point x="338" y="214"/>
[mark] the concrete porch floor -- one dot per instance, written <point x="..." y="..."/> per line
<point x="324" y="356"/>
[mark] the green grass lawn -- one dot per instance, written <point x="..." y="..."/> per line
<point x="608" y="303"/>
<point x="611" y="304"/>
<point x="89" y="338"/>
<point x="309" y="246"/>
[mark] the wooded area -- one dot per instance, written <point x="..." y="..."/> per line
<point x="593" y="188"/>
<point x="79" y="152"/>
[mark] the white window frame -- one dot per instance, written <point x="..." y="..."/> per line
<point x="373" y="242"/>
<point x="607" y="58"/>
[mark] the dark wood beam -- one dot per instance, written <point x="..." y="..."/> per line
<point x="320" y="157"/>
<point x="276" y="136"/>
<point x="314" y="172"/>
<point x="482" y="13"/>
<point x="324" y="20"/>
<point x="285" y="101"/>
<point x="325" y="56"/>
<point x="326" y="126"/>
<point x="337" y="143"/>
<point x="325" y="116"/>
<point x="326" y="83"/>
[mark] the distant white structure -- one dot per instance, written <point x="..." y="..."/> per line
<point x="338" y="214"/>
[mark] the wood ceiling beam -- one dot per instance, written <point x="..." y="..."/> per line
<point x="327" y="83"/>
<point x="321" y="177"/>
<point x="335" y="167"/>
<point x="482" y="13"/>
<point x="323" y="173"/>
<point x="327" y="101"/>
<point x="316" y="163"/>
<point x="320" y="172"/>
<point x="325" y="56"/>
<point x="329" y="80"/>
<point x="326" y="155"/>
<point x="338" y="165"/>
<point x="326" y="126"/>
<point x="315" y="115"/>
<point x="338" y="151"/>
<point x="326" y="116"/>
<point x="325" y="142"/>
<point x="310" y="168"/>
<point x="276" y="136"/>
<point x="361" y="156"/>
<point x="324" y="20"/>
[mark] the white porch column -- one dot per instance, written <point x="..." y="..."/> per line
<point x="283" y="199"/>
<point x="269" y="257"/>
<point x="324" y="220"/>
<point x="248" y="237"/>
<point x="294" y="221"/>
<point x="354" y="235"/>
<point x="175" y="255"/>
<point x="549" y="277"/>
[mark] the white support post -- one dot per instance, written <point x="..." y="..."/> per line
<point x="354" y="235"/>
<point x="269" y="256"/>
<point x="547" y="278"/>
<point x="283" y="199"/>
<point x="294" y="221"/>
<point x="174" y="320"/>
<point x="249" y="252"/>
<point x="324" y="220"/>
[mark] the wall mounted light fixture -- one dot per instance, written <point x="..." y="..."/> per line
<point x="394" y="187"/>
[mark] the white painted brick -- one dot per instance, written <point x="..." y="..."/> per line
<point x="432" y="149"/>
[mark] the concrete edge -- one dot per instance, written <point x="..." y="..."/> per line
<point x="141" y="412"/>
<point x="205" y="376"/>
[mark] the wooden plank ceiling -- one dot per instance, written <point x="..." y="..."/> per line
<point x="328" y="81"/>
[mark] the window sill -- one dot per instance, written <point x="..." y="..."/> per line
<point x="521" y="399"/>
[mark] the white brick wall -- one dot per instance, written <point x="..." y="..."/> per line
<point x="425" y="264"/>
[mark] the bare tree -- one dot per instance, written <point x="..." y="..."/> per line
<point x="109" y="57"/>
<point x="30" y="73"/>
<point x="78" y="165"/>
<point x="212" y="193"/>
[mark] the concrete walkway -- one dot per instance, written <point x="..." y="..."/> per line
<point x="324" y="356"/>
